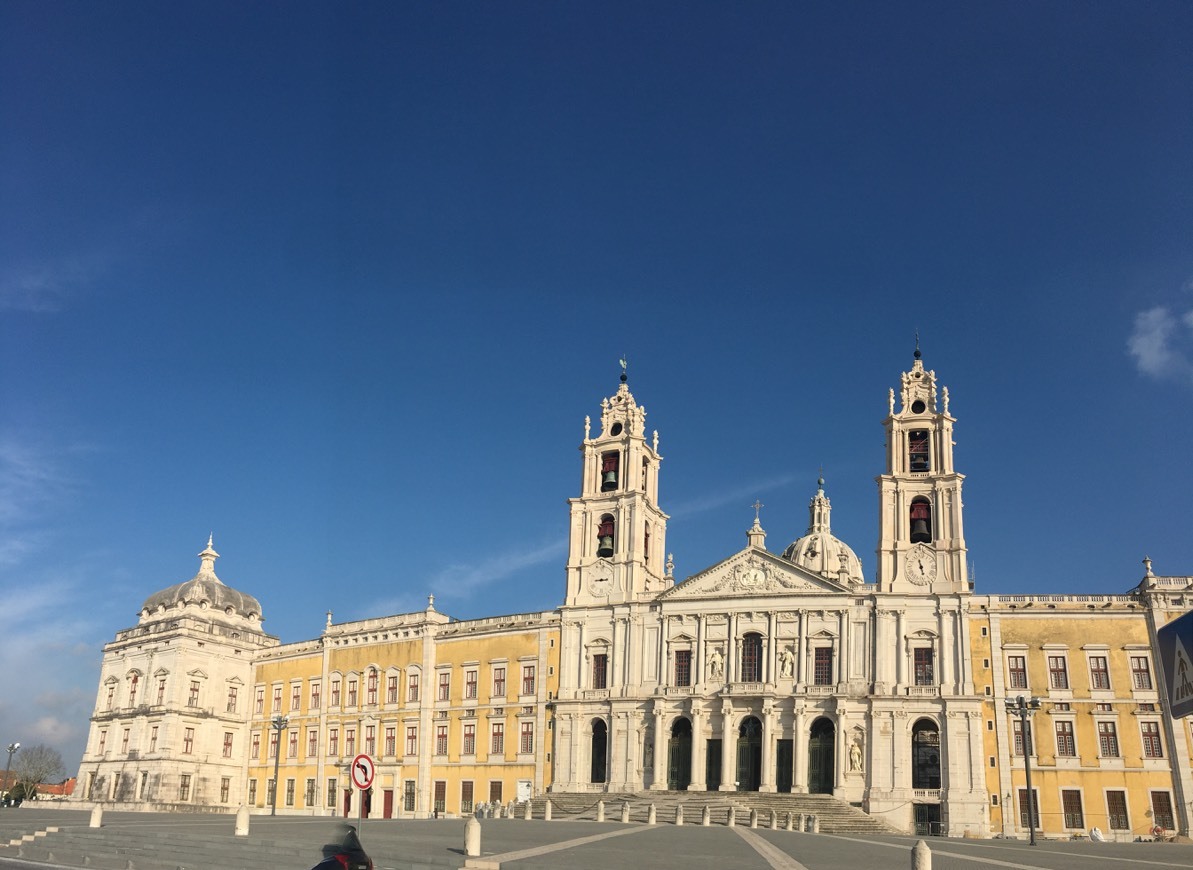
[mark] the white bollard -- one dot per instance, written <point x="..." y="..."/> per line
<point x="600" y="811"/>
<point x="678" y="815"/>
<point x="801" y="823"/>
<point x="547" y="811"/>
<point x="497" y="811"/>
<point x="753" y="818"/>
<point x="815" y="824"/>
<point x="97" y="816"/>
<point x="706" y="816"/>
<point x="472" y="837"/>
<point x="242" y="821"/>
<point x="732" y="820"/>
<point x="789" y="822"/>
<point x="529" y="814"/>
<point x="921" y="856"/>
<point x="774" y="820"/>
<point x="625" y="811"/>
<point x="651" y="817"/>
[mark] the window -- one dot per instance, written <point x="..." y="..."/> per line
<point x="335" y="693"/>
<point x="352" y="692"/>
<point x="260" y="702"/>
<point x="1070" y="801"/>
<point x="605" y="536"/>
<point x="231" y="699"/>
<point x="1104" y="708"/>
<point x="609" y="463"/>
<point x="1066" y="744"/>
<point x="333" y="742"/>
<point x="683" y="667"/>
<point x="1058" y="672"/>
<point x="316" y="696"/>
<point x="408" y="796"/>
<point x="331" y="792"/>
<point x="1162" y="810"/>
<point x="103" y="739"/>
<point x="132" y="690"/>
<point x="470" y="683"/>
<point x="192" y="699"/>
<point x="469" y="747"/>
<point x="273" y="744"/>
<point x="1116" y="810"/>
<point x="920" y="514"/>
<point x="370" y="740"/>
<point x="309" y="799"/>
<point x="917" y="450"/>
<point x="256" y="744"/>
<point x="153" y="739"/>
<point x="371" y="697"/>
<point x="292" y="745"/>
<point x="751" y="658"/>
<point x="1152" y="748"/>
<point x="188" y="741"/>
<point x="1141" y="675"/>
<point x="312" y="743"/>
<point x="498" y="744"/>
<point x="600" y="671"/>
<point x="124" y="742"/>
<point x="441" y="740"/>
<point x="1099" y="673"/>
<point x="1035" y="808"/>
<point x="349" y="741"/>
<point x="391" y="689"/>
<point x="466" y="796"/>
<point x="184" y="787"/>
<point x="499" y="682"/>
<point x="161" y="691"/>
<point x="1017" y="734"/>
<point x="412" y="740"/>
<point x="289" y="792"/>
<point x="412" y="688"/>
<point x="252" y="791"/>
<point x="269" y="792"/>
<point x="1107" y="740"/>
<point x="445" y="686"/>
<point x="822" y="666"/>
<point x="526" y="741"/>
<point x="924" y="672"/>
<point x="1017" y="671"/>
<point x="495" y="791"/>
<point x="227" y="744"/>
<point x="225" y="788"/>
<point x="296" y="696"/>
<point x="111" y="696"/>
<point x="391" y="740"/>
<point x="528" y="680"/>
<point x="277" y="699"/>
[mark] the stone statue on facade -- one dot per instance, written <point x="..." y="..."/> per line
<point x="716" y="664"/>
<point x="786" y="664"/>
<point x="855" y="757"/>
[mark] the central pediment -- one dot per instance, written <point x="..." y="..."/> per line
<point x="753" y="572"/>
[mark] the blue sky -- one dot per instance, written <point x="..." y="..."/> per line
<point x="339" y="283"/>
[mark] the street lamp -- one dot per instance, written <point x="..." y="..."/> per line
<point x="279" y="722"/>
<point x="1023" y="708"/>
<point x="12" y="748"/>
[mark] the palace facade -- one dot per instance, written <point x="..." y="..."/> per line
<point x="782" y="670"/>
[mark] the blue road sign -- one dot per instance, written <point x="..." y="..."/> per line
<point x="1175" y="642"/>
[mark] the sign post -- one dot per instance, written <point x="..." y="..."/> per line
<point x="362" y="774"/>
<point x="1175" y="647"/>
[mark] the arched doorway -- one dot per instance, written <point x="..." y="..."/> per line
<point x="599" y="771"/>
<point x="679" y="755"/>
<point x="749" y="755"/>
<point x="821" y="744"/>
<point x="925" y="755"/>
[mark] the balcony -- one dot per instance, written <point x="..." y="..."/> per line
<point x="926" y="794"/>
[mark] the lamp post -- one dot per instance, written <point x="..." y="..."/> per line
<point x="12" y="748"/>
<point x="279" y="722"/>
<point x="1023" y="708"/>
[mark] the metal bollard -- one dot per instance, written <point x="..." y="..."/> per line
<point x="547" y="811"/>
<point x="652" y="817"/>
<point x="472" y="837"/>
<point x="921" y="856"/>
<point x="678" y="815"/>
<point x="242" y="821"/>
<point x="97" y="816"/>
<point x="706" y="816"/>
<point x="625" y="811"/>
<point x="600" y="811"/>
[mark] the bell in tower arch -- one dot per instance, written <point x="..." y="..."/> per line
<point x="921" y="521"/>
<point x="605" y="537"/>
<point x="608" y="472"/>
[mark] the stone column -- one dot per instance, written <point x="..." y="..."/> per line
<point x="699" y="750"/>
<point x="843" y="672"/>
<point x="731" y="651"/>
<point x="698" y="677"/>
<point x="801" y="667"/>
<point x="900" y="650"/>
<point x="767" y="782"/>
<point x="772" y="648"/>
<point x="799" y="747"/>
<point x="728" y="749"/>
<point x="658" y="771"/>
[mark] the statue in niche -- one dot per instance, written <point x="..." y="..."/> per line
<point x="716" y="664"/>
<point x="855" y="757"/>
<point x="786" y="664"/>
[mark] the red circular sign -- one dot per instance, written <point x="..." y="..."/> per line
<point x="362" y="772"/>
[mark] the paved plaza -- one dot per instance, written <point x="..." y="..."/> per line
<point x="157" y="841"/>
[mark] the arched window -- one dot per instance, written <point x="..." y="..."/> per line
<point x="917" y="450"/>
<point x="609" y="463"/>
<point x="605" y="536"/>
<point x="751" y="658"/>
<point x="921" y="520"/>
<point x="925" y="755"/>
<point x="600" y="751"/>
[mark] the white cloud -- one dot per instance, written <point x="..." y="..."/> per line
<point x="462" y="578"/>
<point x="742" y="494"/>
<point x="1162" y="344"/>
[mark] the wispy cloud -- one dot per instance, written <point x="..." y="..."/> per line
<point x="44" y="288"/>
<point x="31" y="480"/>
<point x="1161" y="343"/>
<point x="738" y="494"/>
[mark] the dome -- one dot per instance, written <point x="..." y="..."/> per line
<point x="205" y="590"/>
<point x="820" y="552"/>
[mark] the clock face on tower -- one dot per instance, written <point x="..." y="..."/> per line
<point x="921" y="564"/>
<point x="600" y="578"/>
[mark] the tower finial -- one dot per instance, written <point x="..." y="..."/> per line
<point x="917" y="354"/>
<point x="757" y="506"/>
<point x="624" y="366"/>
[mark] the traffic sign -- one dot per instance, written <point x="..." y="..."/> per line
<point x="1175" y="642"/>
<point x="362" y="772"/>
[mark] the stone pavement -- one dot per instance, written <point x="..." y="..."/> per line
<point x="161" y="841"/>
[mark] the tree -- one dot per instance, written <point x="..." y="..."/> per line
<point x="34" y="765"/>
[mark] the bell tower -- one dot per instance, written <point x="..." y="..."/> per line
<point x="617" y="535"/>
<point x="921" y="546"/>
